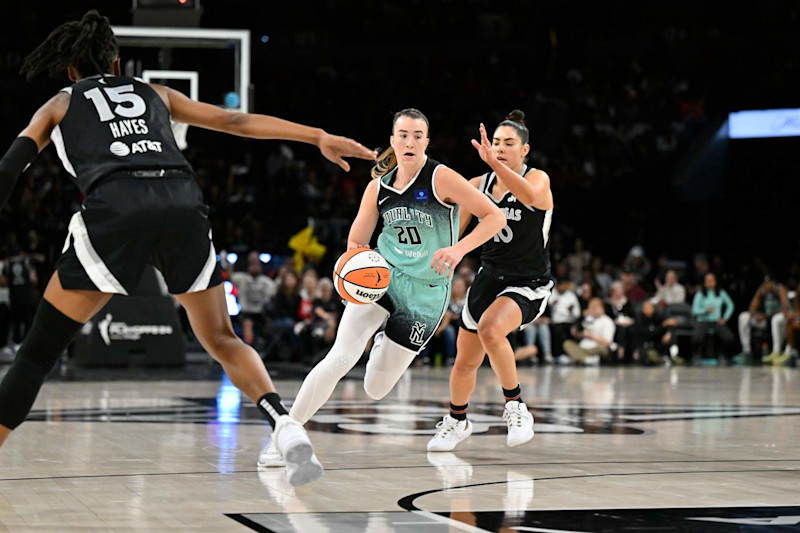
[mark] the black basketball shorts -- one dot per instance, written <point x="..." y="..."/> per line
<point x="530" y="295"/>
<point x="127" y="222"/>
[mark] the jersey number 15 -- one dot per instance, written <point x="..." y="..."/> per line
<point x="119" y="95"/>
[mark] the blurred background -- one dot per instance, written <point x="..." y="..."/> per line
<point x="629" y="106"/>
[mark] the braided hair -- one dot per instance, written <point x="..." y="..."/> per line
<point x="88" y="45"/>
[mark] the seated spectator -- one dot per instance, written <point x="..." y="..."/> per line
<point x="586" y="292"/>
<point x="768" y="305"/>
<point x="285" y="314"/>
<point x="596" y="336"/>
<point x="601" y="276"/>
<point x="325" y="314"/>
<point x="711" y="308"/>
<point x="445" y="336"/>
<point x="791" y="331"/>
<point x="696" y="280"/>
<point x="670" y="292"/>
<point x="565" y="310"/>
<point x="255" y="291"/>
<point x="637" y="263"/>
<point x="631" y="284"/>
<point x="539" y="329"/>
<point x="621" y="311"/>
<point x="650" y="336"/>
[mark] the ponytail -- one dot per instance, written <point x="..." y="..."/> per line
<point x="386" y="161"/>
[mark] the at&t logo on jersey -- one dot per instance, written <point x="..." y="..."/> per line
<point x="120" y="149"/>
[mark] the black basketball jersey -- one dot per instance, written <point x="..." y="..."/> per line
<point x="522" y="248"/>
<point x="113" y="124"/>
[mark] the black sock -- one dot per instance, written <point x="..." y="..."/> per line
<point x="459" y="412"/>
<point x="271" y="407"/>
<point x="513" y="395"/>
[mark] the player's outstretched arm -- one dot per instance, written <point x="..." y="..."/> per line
<point x="455" y="189"/>
<point x="532" y="189"/>
<point x="366" y="219"/>
<point x="30" y="141"/>
<point x="333" y="147"/>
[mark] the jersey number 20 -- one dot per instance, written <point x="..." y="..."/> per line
<point x="408" y="235"/>
<point x="119" y="95"/>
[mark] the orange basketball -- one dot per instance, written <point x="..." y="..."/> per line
<point x="361" y="276"/>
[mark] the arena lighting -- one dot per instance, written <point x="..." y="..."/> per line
<point x="232" y="257"/>
<point x="764" y="123"/>
<point x="265" y="258"/>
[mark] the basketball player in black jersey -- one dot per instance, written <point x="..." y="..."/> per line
<point x="510" y="289"/>
<point x="142" y="205"/>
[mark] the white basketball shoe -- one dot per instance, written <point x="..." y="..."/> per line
<point x="293" y="447"/>
<point x="451" y="432"/>
<point x="520" y="423"/>
<point x="270" y="456"/>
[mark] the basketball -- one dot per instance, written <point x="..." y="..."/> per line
<point x="361" y="276"/>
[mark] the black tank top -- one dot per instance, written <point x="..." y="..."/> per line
<point x="522" y="248"/>
<point x="113" y="124"/>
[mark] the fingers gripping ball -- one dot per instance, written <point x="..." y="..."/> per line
<point x="361" y="276"/>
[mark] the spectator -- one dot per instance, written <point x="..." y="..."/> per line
<point x="326" y="311"/>
<point x="637" y="263"/>
<point x="711" y="308"/>
<point x="596" y="336"/>
<point x="447" y="332"/>
<point x="791" y="331"/>
<point x="539" y="329"/>
<point x="585" y="294"/>
<point x="5" y="315"/>
<point x="621" y="311"/>
<point x="308" y="293"/>
<point x="578" y="260"/>
<point x="285" y="312"/>
<point x="21" y="281"/>
<point x="767" y="304"/>
<point x="670" y="292"/>
<point x="632" y="288"/>
<point x="601" y="277"/>
<point x="650" y="335"/>
<point x="565" y="310"/>
<point x="255" y="291"/>
<point x="697" y="280"/>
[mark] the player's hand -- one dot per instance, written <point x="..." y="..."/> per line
<point x="445" y="260"/>
<point x="335" y="148"/>
<point x="485" y="148"/>
<point x="351" y="245"/>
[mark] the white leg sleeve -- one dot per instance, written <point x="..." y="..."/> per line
<point x="744" y="331"/>
<point x="358" y="324"/>
<point x="386" y="365"/>
<point x="778" y="324"/>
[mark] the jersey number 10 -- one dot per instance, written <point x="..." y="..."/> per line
<point x="119" y="95"/>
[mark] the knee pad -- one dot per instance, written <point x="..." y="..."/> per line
<point x="387" y="363"/>
<point x="50" y="334"/>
